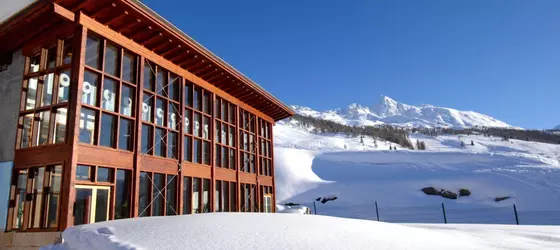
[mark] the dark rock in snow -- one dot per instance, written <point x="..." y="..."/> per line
<point x="498" y="199"/>
<point x="449" y="195"/>
<point x="464" y="192"/>
<point x="431" y="191"/>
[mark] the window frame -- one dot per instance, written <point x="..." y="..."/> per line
<point x="189" y="112"/>
<point x="223" y="119"/>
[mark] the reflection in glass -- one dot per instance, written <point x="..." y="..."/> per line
<point x="160" y="142"/>
<point x="83" y="173"/>
<point x="87" y="125"/>
<point x="144" y="207"/>
<point x="147" y="107"/>
<point x="187" y="202"/>
<point x="109" y="94"/>
<point x="196" y="196"/>
<point x="43" y="128"/>
<point x="173" y="145"/>
<point x="122" y="194"/>
<point x="112" y="62"/>
<point x="161" y="86"/>
<point x="31" y="95"/>
<point x="89" y="89"/>
<point x="64" y="85"/>
<point x="125" y="134"/>
<point x="160" y="111"/>
<point x="159" y="182"/>
<point x="196" y="154"/>
<point x="53" y="196"/>
<point x="129" y="67"/>
<point x="67" y="52"/>
<point x="26" y="134"/>
<point x="171" y="195"/>
<point x="149" y="76"/>
<point x="102" y="205"/>
<point x="147" y="139"/>
<point x="93" y="51"/>
<point x="60" y="125"/>
<point x="48" y="84"/>
<point x="104" y="174"/>
<point x="34" y="63"/>
<point x="187" y="149"/>
<point x="51" y="57"/>
<point x="187" y="121"/>
<point x="127" y="100"/>
<point x="197" y="125"/>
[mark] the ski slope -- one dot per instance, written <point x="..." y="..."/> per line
<point x="311" y="165"/>
<point x="295" y="231"/>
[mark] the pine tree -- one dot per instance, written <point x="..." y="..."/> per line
<point x="462" y="144"/>
<point x="472" y="143"/>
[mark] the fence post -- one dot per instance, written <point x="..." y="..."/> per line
<point x="377" y="210"/>
<point x="516" y="217"/>
<point x="314" y="208"/>
<point x="444" y="215"/>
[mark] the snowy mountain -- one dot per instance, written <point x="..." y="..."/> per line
<point x="557" y="127"/>
<point x="389" y="111"/>
<point x="310" y="165"/>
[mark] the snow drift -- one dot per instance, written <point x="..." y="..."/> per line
<point x="293" y="231"/>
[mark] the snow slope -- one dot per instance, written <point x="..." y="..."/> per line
<point x="311" y="165"/>
<point x="389" y="111"/>
<point x="293" y="231"/>
<point x="557" y="127"/>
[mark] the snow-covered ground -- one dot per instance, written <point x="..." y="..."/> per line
<point x="294" y="231"/>
<point x="312" y="165"/>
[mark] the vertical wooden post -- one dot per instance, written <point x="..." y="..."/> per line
<point x="376" y="210"/>
<point x="138" y="138"/>
<point x="271" y="148"/>
<point x="516" y="216"/>
<point x="73" y="128"/>
<point x="181" y="140"/>
<point x="444" y="215"/>
<point x="212" y="128"/>
<point x="237" y="160"/>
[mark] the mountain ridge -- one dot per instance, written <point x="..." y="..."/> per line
<point x="392" y="112"/>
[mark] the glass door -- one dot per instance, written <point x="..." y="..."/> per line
<point x="92" y="204"/>
<point x="267" y="203"/>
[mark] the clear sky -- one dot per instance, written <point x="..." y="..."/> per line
<point x="497" y="57"/>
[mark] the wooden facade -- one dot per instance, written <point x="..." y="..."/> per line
<point x="122" y="115"/>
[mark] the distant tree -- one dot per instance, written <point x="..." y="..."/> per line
<point x="423" y="145"/>
<point x="472" y="143"/>
<point x="462" y="144"/>
<point x="390" y="147"/>
<point x="374" y="143"/>
<point x="345" y="146"/>
<point x="362" y="139"/>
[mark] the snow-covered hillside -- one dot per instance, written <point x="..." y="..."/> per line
<point x="557" y="127"/>
<point x="312" y="165"/>
<point x="389" y="111"/>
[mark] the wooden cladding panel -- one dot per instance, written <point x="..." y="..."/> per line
<point x="41" y="155"/>
<point x="247" y="178"/>
<point x="225" y="174"/>
<point x="158" y="164"/>
<point x="265" y="180"/>
<point x="194" y="170"/>
<point x="100" y="156"/>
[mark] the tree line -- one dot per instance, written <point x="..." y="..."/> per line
<point x="504" y="133"/>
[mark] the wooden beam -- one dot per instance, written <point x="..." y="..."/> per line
<point x="129" y="25"/>
<point x="117" y="18"/>
<point x="170" y="51"/>
<point x="151" y="39"/>
<point x="63" y="12"/>
<point x="103" y="10"/>
<point x="216" y="77"/>
<point x="79" y="6"/>
<point x="180" y="56"/>
<point x="139" y="32"/>
<point x="203" y="69"/>
<point x="188" y="62"/>
<point x="162" y="45"/>
<point x="210" y="73"/>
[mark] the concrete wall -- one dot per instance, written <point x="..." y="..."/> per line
<point x="10" y="91"/>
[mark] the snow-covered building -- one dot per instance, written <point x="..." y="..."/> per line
<point x="109" y="112"/>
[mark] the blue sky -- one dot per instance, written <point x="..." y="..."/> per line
<point x="497" y="57"/>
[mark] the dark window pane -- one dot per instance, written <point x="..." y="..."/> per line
<point x="31" y="93"/>
<point x="149" y="76"/>
<point x="187" y="202"/>
<point x="34" y="63"/>
<point x="112" y="61"/>
<point x="147" y="139"/>
<point x="173" y="145"/>
<point x="102" y="205"/>
<point x="20" y="198"/>
<point x="89" y="90"/>
<point x="93" y="51"/>
<point x="217" y="157"/>
<point x="187" y="122"/>
<point x="48" y="86"/>
<point x="147" y="108"/>
<point x="60" y="125"/>
<point x="188" y="94"/>
<point x="51" y="57"/>
<point x="207" y="103"/>
<point x="129" y="67"/>
<point x="231" y="136"/>
<point x="223" y="134"/>
<point x="161" y="87"/>
<point x="127" y="100"/>
<point x="87" y="126"/>
<point x="67" y="52"/>
<point x="81" y="205"/>
<point x="197" y="151"/>
<point x="144" y="209"/>
<point x="217" y="134"/>
<point x="104" y="174"/>
<point x="197" y="98"/>
<point x="231" y="114"/>
<point x="83" y="173"/>
<point x="122" y="194"/>
<point x="217" y="193"/>
<point x="224" y="157"/>
<point x="224" y="111"/>
<point x="206" y="152"/>
<point x="233" y="197"/>
<point x="159" y="182"/>
<point x="109" y="95"/>
<point x="108" y="129"/>
<point x="232" y="158"/>
<point x="160" y="142"/>
<point x="187" y="149"/>
<point x="64" y="85"/>
<point x="125" y="134"/>
<point x="171" y="195"/>
<point x="53" y="196"/>
<point x="174" y="87"/>
<point x="42" y="127"/>
<point x="160" y="111"/>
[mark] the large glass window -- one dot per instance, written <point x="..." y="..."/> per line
<point x="171" y="194"/>
<point x="144" y="207"/>
<point x="265" y="154"/>
<point x="187" y="195"/>
<point x="225" y="135"/>
<point x="224" y="197"/>
<point x="161" y="191"/>
<point x="44" y="78"/>
<point x="41" y="187"/>
<point x="247" y="141"/>
<point x="197" y="130"/>
<point x="147" y="139"/>
<point x="158" y="194"/>
<point x="206" y="195"/>
<point x="196" y="196"/>
<point x="111" y="94"/>
<point x="88" y="119"/>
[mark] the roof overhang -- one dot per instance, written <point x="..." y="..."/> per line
<point x="137" y="22"/>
